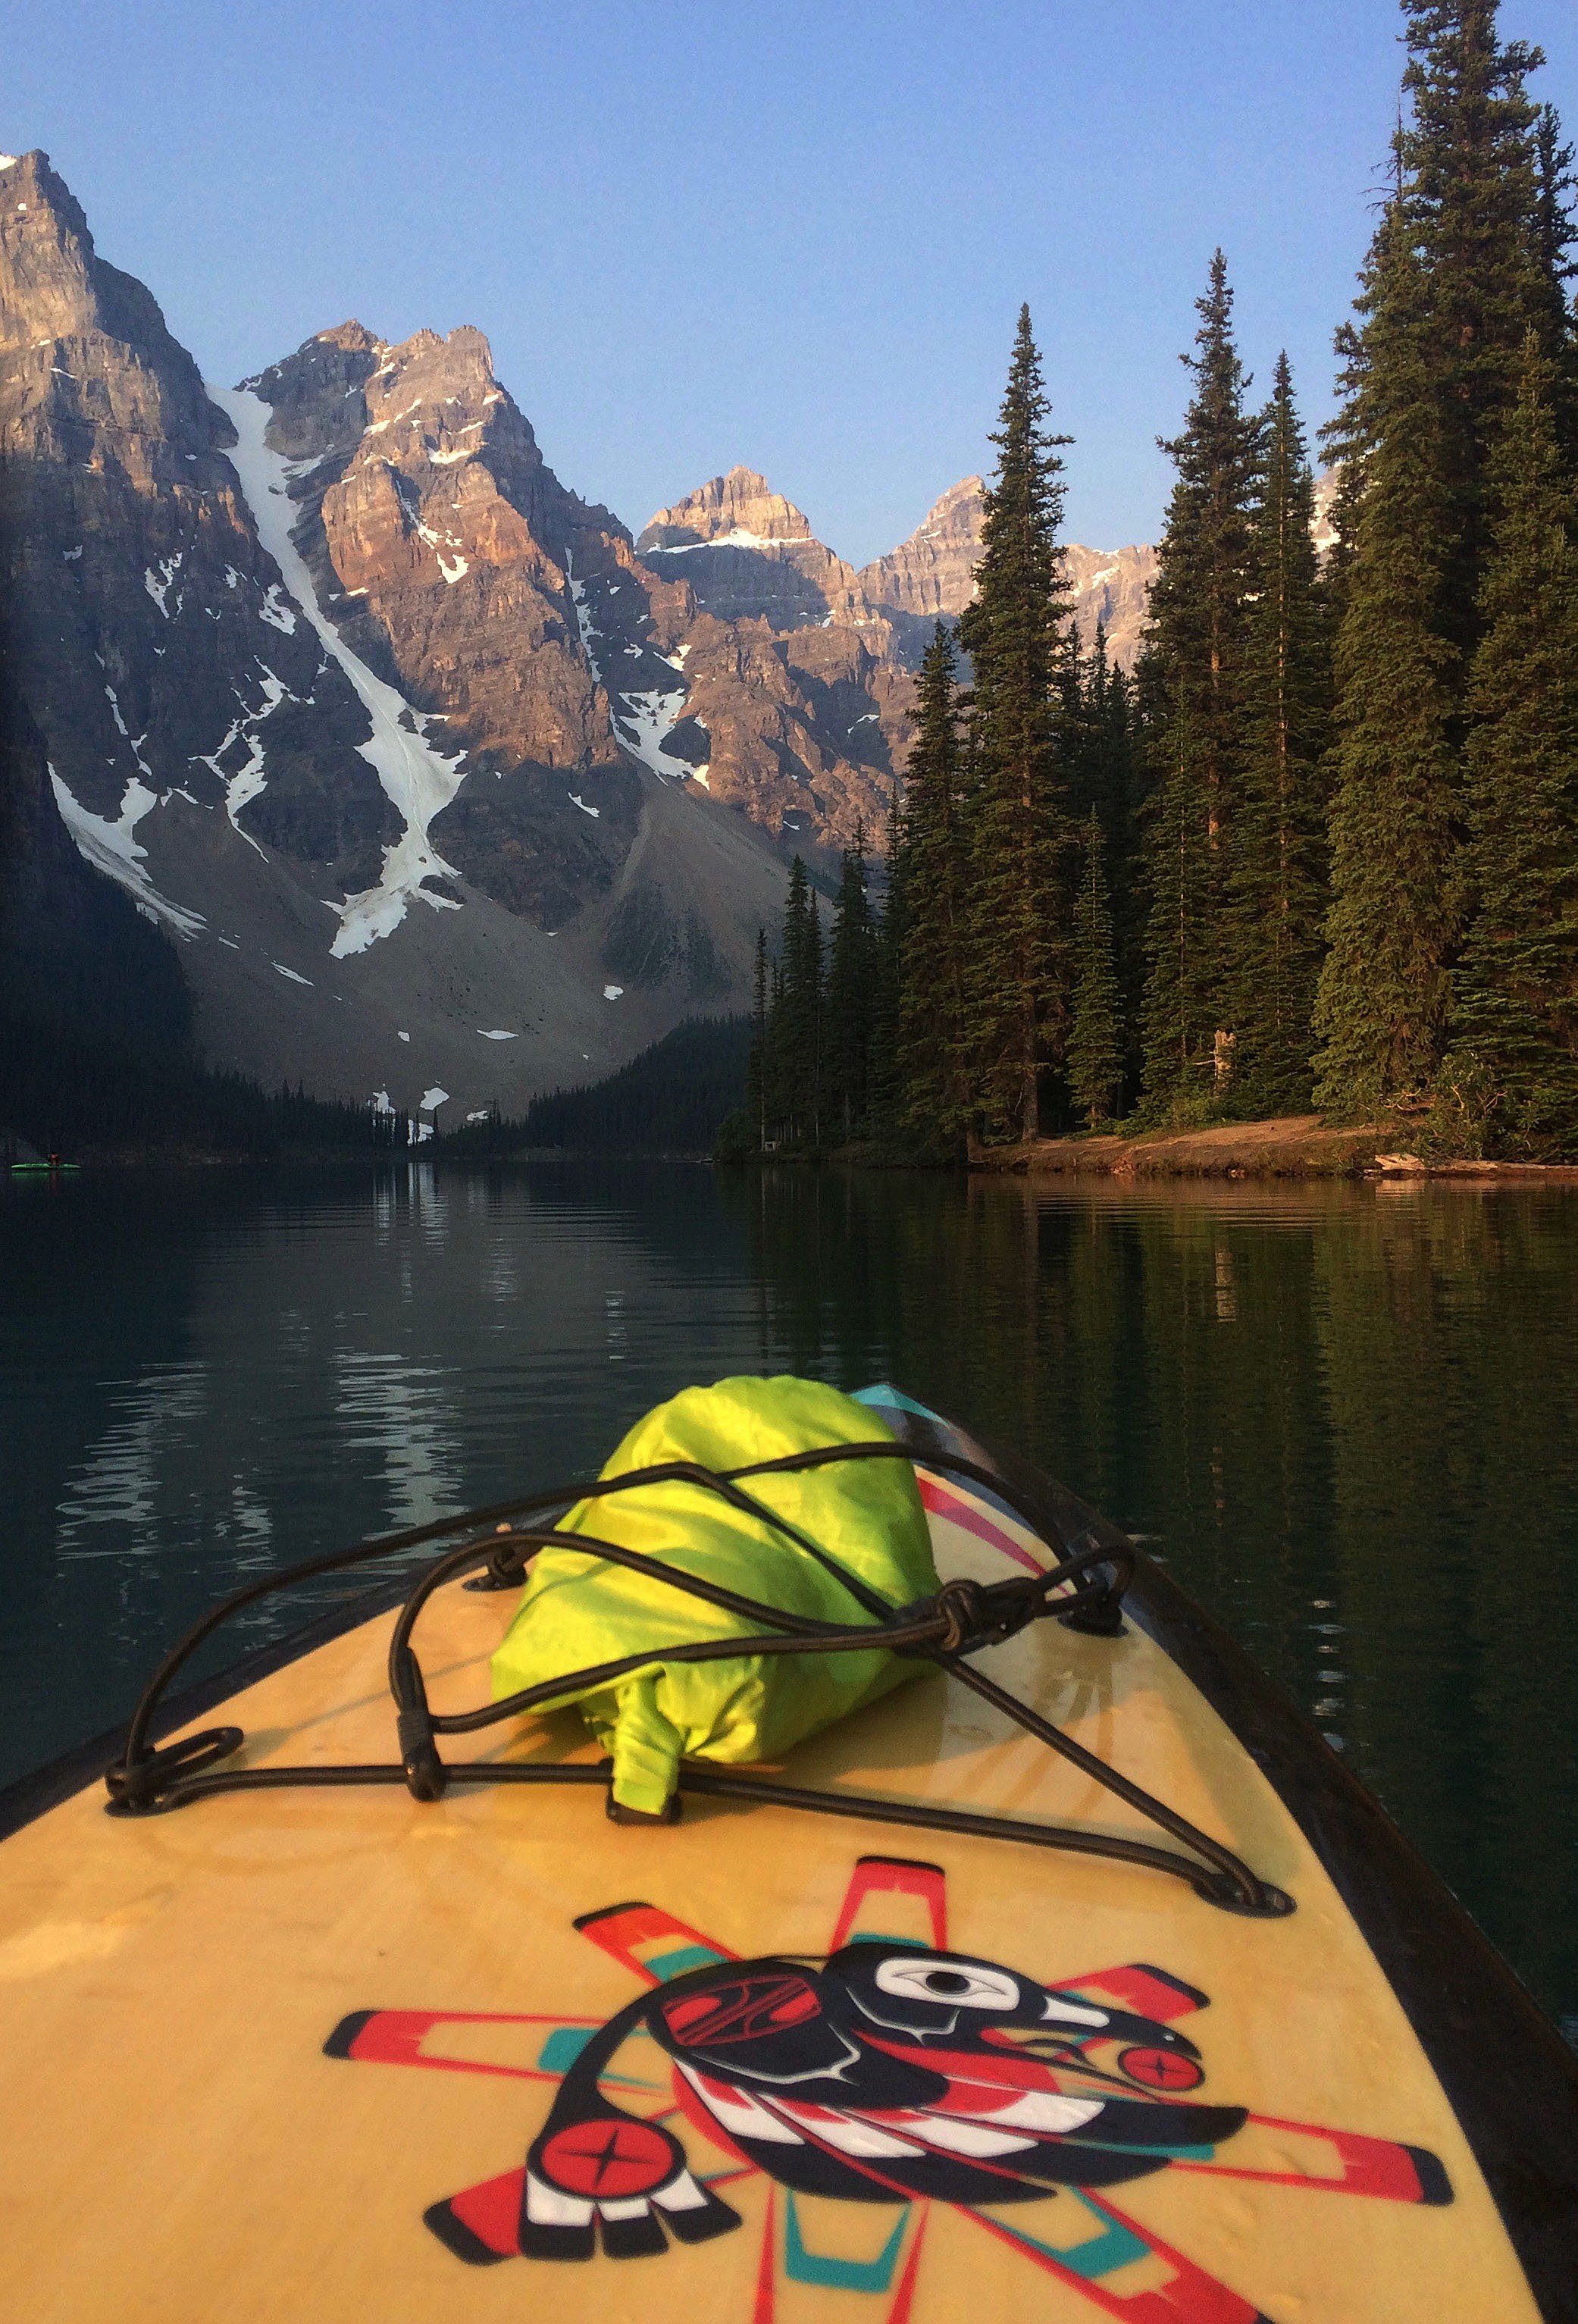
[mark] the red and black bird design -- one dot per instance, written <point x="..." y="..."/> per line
<point x="883" y="2074"/>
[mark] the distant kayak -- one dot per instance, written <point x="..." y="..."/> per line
<point x="1075" y="1977"/>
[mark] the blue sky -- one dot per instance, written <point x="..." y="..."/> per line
<point x="792" y="236"/>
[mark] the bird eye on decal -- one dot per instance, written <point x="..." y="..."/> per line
<point x="914" y="1978"/>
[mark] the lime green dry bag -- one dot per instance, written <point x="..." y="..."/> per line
<point x="576" y="1611"/>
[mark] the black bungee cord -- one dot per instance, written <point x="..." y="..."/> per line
<point x="1084" y="1590"/>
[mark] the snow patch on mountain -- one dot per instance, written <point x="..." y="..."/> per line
<point x="638" y="721"/>
<point x="585" y="635"/>
<point x="250" y="778"/>
<point x="134" y="742"/>
<point x="736" y="538"/>
<point x="451" y="567"/>
<point x="158" y="588"/>
<point x="113" y="849"/>
<point x="641" y="720"/>
<point x="415" y="775"/>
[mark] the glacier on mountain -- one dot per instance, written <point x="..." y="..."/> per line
<point x="416" y="777"/>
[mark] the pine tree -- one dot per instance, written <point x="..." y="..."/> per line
<point x="853" y="970"/>
<point x="1471" y="200"/>
<point x="795" y="1020"/>
<point x="1277" y="885"/>
<point x="759" y="1070"/>
<point x="1463" y="264"/>
<point x="887" y="1096"/>
<point x="1073" y="724"/>
<point x="1095" y="1042"/>
<point x="1090" y="780"/>
<point x="1018" y="952"/>
<point x="1113" y="786"/>
<point x="934" y="874"/>
<point x="1196" y="644"/>
<point x="1381" y="1005"/>
<point x="1515" y="991"/>
<point x="1554" y="235"/>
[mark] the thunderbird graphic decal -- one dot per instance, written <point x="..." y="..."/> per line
<point x="891" y="2072"/>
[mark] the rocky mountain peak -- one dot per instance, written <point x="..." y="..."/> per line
<point x="931" y="576"/>
<point x="311" y="671"/>
<point x="933" y="573"/>
<point x="442" y="544"/>
<point x="438" y="780"/>
<point x="747" y="554"/>
<point x="740" y="509"/>
<point x="59" y="300"/>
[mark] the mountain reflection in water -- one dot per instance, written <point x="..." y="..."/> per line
<point x="1347" y="1416"/>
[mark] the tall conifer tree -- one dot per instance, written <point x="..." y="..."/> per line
<point x="1277" y="888"/>
<point x="1471" y="200"/>
<point x="1095" y="1042"/>
<point x="1018" y="959"/>
<point x="759" y="1069"/>
<point x="1381" y="1005"/>
<point x="796" y="1029"/>
<point x="886" y="1100"/>
<point x="853" y="971"/>
<point x="1516" y="990"/>
<point x="934" y="871"/>
<point x="1197" y="648"/>
<point x="1459" y="271"/>
<point x="1109" y="781"/>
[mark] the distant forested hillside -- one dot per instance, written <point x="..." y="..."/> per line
<point x="671" y="1099"/>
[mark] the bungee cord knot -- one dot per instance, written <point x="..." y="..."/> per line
<point x="984" y="1615"/>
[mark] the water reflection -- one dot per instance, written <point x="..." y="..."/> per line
<point x="1346" y="1415"/>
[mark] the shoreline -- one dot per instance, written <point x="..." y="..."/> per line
<point x="1288" y="1146"/>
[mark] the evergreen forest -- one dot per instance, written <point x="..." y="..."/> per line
<point x="1319" y="849"/>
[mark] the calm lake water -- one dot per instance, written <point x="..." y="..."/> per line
<point x="1346" y="1417"/>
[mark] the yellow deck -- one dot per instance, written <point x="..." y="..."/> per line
<point x="176" y="2147"/>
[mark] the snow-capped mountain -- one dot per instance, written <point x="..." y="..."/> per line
<point x="340" y="685"/>
<point x="443" y="787"/>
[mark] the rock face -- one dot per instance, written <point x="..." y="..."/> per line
<point x="76" y="956"/>
<point x="1323" y="531"/>
<point x="747" y="553"/>
<point x="1112" y="587"/>
<point x="793" y="686"/>
<point x="150" y="641"/>
<point x="733" y="653"/>
<point x="329" y="676"/>
<point x="932" y="575"/>
<point x="435" y="777"/>
<point x="450" y="560"/>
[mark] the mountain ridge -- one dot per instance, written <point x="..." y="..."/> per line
<point x="440" y="778"/>
<point x="212" y="755"/>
